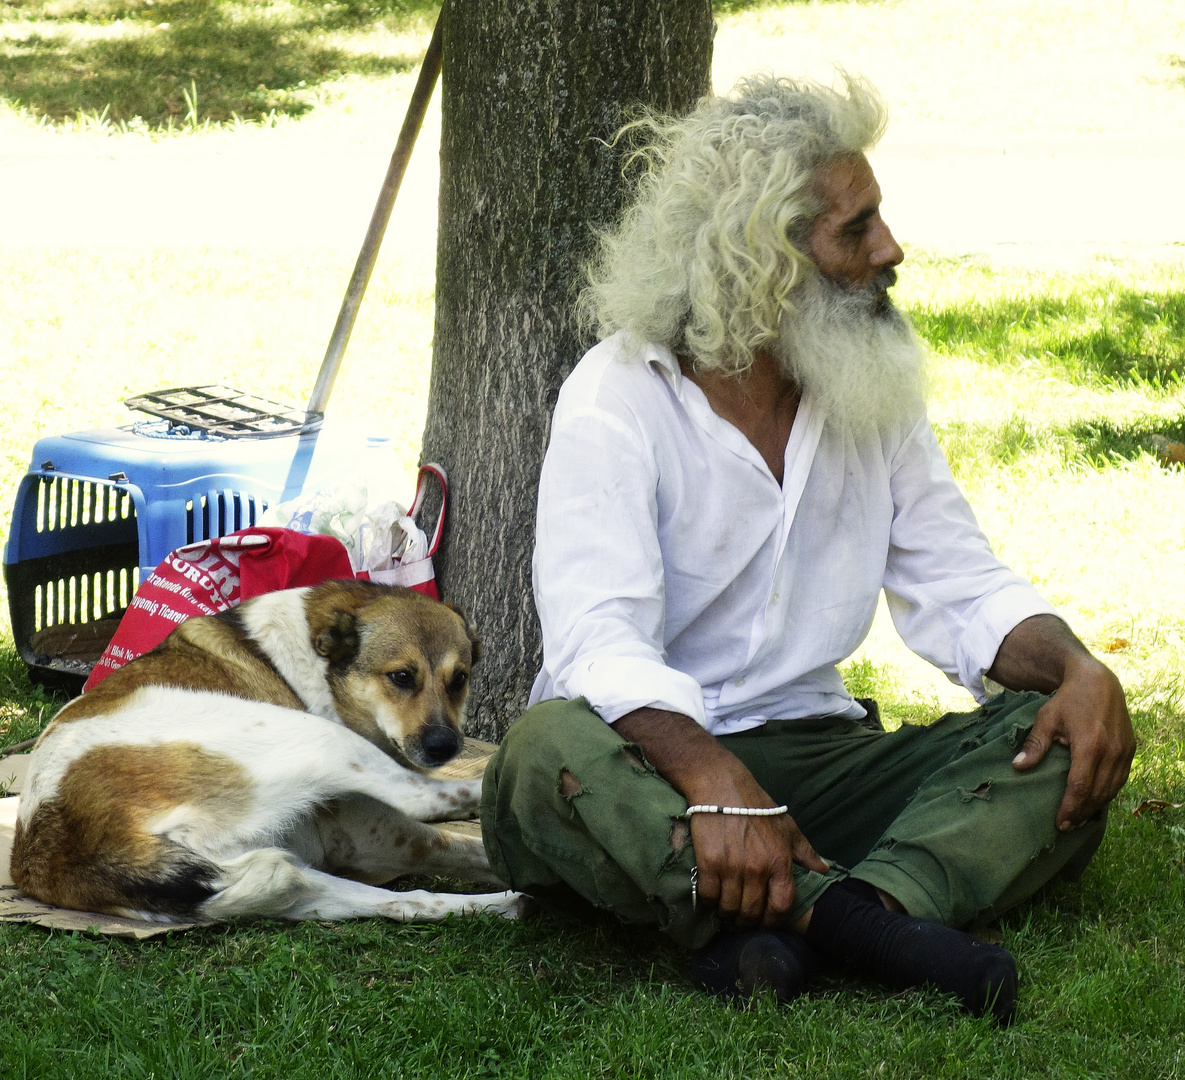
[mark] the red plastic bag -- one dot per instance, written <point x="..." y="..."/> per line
<point x="212" y="576"/>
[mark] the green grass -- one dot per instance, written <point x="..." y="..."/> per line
<point x="1091" y="330"/>
<point x="558" y="999"/>
<point x="180" y="65"/>
<point x="1083" y="367"/>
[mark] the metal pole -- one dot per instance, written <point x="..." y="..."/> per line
<point x="425" y="84"/>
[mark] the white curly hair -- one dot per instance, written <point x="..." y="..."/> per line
<point x="707" y="258"/>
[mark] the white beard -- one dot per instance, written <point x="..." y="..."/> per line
<point x="853" y="353"/>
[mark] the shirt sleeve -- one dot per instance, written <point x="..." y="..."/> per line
<point x="598" y="569"/>
<point x="951" y="599"/>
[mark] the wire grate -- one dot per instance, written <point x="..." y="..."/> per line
<point x="225" y="412"/>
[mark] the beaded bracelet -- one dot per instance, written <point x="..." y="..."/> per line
<point x="742" y="811"/>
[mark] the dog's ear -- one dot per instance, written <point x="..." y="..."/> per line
<point x="339" y="640"/>
<point x="474" y="640"/>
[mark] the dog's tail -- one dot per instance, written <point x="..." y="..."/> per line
<point x="160" y="877"/>
<point x="177" y="885"/>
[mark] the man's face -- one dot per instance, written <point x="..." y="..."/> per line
<point x="850" y="242"/>
<point x="844" y="343"/>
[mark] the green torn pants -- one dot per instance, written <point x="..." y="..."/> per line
<point x="935" y="816"/>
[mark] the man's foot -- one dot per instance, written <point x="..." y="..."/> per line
<point x="740" y="964"/>
<point x="850" y="924"/>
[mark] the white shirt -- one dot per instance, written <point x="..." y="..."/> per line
<point x="672" y="570"/>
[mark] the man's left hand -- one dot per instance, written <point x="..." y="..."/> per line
<point x="1088" y="714"/>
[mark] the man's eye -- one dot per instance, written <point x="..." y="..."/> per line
<point x="404" y="679"/>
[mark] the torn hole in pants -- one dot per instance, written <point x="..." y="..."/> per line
<point x="569" y="786"/>
<point x="1017" y="735"/>
<point x="679" y="838"/>
<point x="633" y="754"/>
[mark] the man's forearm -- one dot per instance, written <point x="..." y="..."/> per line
<point x="688" y="758"/>
<point x="1036" y="653"/>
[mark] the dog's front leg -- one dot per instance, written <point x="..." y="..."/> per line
<point x="419" y="797"/>
<point x="455" y="800"/>
<point x="364" y="839"/>
<point x="422" y="798"/>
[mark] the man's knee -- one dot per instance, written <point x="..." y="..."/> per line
<point x="554" y="723"/>
<point x="548" y="751"/>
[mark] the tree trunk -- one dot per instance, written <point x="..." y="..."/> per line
<point x="531" y="91"/>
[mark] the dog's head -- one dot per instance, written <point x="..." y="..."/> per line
<point x="399" y="666"/>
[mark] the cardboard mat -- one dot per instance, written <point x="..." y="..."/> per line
<point x="15" y="906"/>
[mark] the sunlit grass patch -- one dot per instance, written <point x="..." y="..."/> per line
<point x="194" y="61"/>
<point x="1092" y="442"/>
<point x="1105" y="329"/>
<point x="1076" y="369"/>
<point x="1095" y="335"/>
<point x="898" y="702"/>
<point x="1103" y="544"/>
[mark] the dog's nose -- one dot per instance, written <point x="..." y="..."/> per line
<point x="438" y="743"/>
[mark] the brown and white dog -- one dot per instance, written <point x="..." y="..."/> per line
<point x="264" y="762"/>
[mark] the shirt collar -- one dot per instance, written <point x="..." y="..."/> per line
<point x="661" y="360"/>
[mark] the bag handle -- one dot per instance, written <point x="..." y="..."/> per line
<point x="230" y="542"/>
<point x="431" y="469"/>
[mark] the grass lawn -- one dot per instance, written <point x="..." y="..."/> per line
<point x="1050" y="380"/>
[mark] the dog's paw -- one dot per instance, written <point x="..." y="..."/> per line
<point x="512" y="905"/>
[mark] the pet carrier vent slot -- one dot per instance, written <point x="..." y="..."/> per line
<point x="220" y="512"/>
<point x="83" y="598"/>
<point x="71" y="504"/>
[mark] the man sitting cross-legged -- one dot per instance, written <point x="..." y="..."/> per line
<point x="735" y="473"/>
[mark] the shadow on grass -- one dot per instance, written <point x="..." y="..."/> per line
<point x="189" y="61"/>
<point x="1110" y="336"/>
<point x="1093" y="442"/>
<point x="25" y="708"/>
<point x="1098" y="438"/>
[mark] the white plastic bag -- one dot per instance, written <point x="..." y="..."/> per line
<point x="384" y="541"/>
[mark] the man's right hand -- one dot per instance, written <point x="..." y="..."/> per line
<point x="745" y="865"/>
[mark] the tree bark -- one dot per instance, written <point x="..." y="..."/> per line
<point x="532" y="91"/>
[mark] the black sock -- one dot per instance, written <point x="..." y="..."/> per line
<point x="739" y="964"/>
<point x="850" y="924"/>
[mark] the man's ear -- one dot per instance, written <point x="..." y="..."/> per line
<point x="474" y="640"/>
<point x="338" y="641"/>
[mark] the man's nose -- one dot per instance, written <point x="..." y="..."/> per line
<point x="886" y="251"/>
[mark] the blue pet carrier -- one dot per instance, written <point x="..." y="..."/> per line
<point x="99" y="509"/>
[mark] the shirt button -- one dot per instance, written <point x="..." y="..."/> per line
<point x="741" y="681"/>
<point x="774" y="599"/>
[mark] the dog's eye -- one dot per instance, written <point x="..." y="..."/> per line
<point x="404" y="679"/>
<point x="458" y="681"/>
